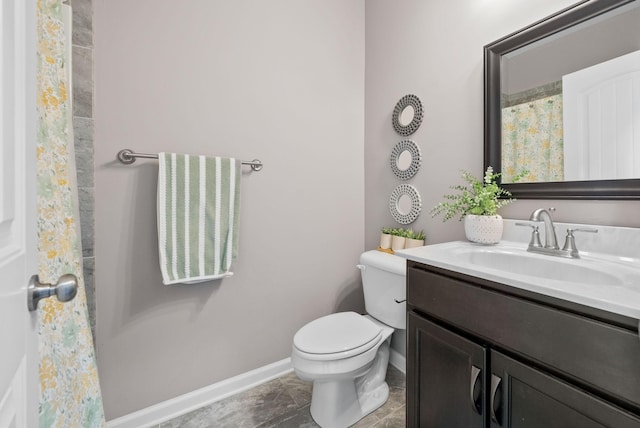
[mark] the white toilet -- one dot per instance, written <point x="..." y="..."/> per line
<point x="346" y="354"/>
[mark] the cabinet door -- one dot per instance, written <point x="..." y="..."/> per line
<point x="521" y="396"/>
<point x="445" y="378"/>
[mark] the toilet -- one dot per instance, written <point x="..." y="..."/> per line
<point x="346" y="354"/>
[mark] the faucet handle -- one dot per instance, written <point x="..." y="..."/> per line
<point x="535" y="234"/>
<point x="570" y="240"/>
<point x="581" y="229"/>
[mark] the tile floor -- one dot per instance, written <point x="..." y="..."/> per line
<point x="284" y="403"/>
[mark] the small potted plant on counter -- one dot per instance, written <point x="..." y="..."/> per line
<point x="414" y="239"/>
<point x="392" y="240"/>
<point x="398" y="239"/>
<point x="385" y="238"/>
<point x="477" y="203"/>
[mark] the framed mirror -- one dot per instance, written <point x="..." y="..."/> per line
<point x="529" y="90"/>
<point x="407" y="115"/>
<point x="405" y="159"/>
<point x="405" y="204"/>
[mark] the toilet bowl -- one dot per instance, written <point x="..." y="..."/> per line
<point x="346" y="354"/>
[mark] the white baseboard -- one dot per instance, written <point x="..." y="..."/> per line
<point x="193" y="400"/>
<point x="397" y="360"/>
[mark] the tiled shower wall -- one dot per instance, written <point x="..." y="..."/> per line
<point x="82" y="43"/>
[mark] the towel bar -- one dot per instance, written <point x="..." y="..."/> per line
<point x="128" y="157"/>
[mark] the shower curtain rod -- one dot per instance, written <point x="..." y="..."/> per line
<point x="128" y="157"/>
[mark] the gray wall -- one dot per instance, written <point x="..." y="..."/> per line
<point x="282" y="81"/>
<point x="434" y="50"/>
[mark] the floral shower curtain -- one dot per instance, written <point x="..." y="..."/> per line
<point x="532" y="140"/>
<point x="69" y="387"/>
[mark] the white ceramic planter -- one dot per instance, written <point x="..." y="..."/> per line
<point x="397" y="242"/>
<point x="411" y="243"/>
<point x="385" y="241"/>
<point x="483" y="229"/>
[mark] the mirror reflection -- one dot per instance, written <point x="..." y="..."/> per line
<point x="404" y="160"/>
<point x="570" y="102"/>
<point x="403" y="204"/>
<point x="406" y="116"/>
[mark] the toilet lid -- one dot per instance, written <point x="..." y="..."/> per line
<point x="336" y="333"/>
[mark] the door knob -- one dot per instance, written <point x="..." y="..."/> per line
<point x="65" y="290"/>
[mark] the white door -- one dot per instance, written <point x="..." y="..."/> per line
<point x="18" y="340"/>
<point x="601" y="109"/>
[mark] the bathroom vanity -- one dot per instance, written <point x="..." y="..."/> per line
<point x="484" y="353"/>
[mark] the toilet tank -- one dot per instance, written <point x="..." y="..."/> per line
<point x="384" y="282"/>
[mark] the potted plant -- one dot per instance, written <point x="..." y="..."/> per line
<point x="398" y="239"/>
<point x="385" y="238"/>
<point x="414" y="239"/>
<point x="477" y="203"/>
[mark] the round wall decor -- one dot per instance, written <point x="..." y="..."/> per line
<point x="405" y="204"/>
<point x="405" y="159"/>
<point x="407" y="115"/>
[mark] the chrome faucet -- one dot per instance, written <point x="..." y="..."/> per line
<point x="550" y="241"/>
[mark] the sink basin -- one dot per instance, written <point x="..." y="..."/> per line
<point x="520" y="262"/>
<point x="602" y="281"/>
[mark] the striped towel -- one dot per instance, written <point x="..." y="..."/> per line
<point x="198" y="211"/>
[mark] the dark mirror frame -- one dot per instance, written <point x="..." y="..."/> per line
<point x="596" y="189"/>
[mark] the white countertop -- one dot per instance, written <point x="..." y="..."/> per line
<point x="610" y="282"/>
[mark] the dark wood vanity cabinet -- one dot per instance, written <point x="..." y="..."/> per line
<point x="483" y="355"/>
<point x="445" y="377"/>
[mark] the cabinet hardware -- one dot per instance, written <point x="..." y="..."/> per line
<point x="475" y="391"/>
<point x="496" y="400"/>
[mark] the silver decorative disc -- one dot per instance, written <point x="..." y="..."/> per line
<point x="401" y="214"/>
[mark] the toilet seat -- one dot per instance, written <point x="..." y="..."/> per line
<point x="337" y="336"/>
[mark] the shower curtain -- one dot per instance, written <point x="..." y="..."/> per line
<point x="532" y="140"/>
<point x="69" y="388"/>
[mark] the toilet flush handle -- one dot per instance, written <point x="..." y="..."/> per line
<point x="400" y="301"/>
<point x="361" y="267"/>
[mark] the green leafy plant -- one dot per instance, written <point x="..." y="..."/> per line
<point x="478" y="197"/>
<point x="393" y="231"/>
<point x="415" y="235"/>
<point x="405" y="233"/>
<point x="399" y="232"/>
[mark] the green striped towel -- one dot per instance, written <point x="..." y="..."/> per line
<point x="198" y="211"/>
